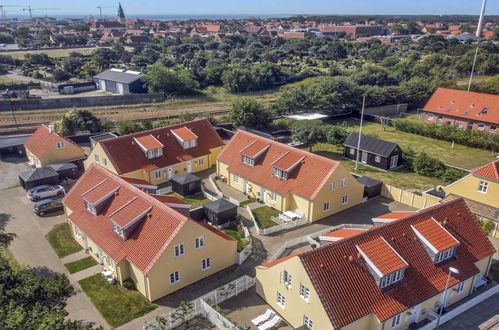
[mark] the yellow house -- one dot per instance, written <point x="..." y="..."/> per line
<point x="136" y="236"/>
<point x="287" y="178"/>
<point x="159" y="154"/>
<point x="46" y="147"/>
<point x="480" y="190"/>
<point x="388" y="277"/>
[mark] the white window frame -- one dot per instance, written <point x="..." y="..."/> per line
<point x="344" y="199"/>
<point x="235" y="179"/>
<point x="352" y="151"/>
<point x="273" y="197"/>
<point x="248" y="160"/>
<point x="430" y="116"/>
<point x="483" y="186"/>
<point x="60" y="145"/>
<point x="174" y="277"/>
<point x="304" y="292"/>
<point x="286" y="278"/>
<point x="364" y="157"/>
<point x="104" y="161"/>
<point x="377" y="159"/>
<point x="179" y="250"/>
<point x="206" y="263"/>
<point x="460" y="288"/>
<point x="332" y="185"/>
<point x="199" y="243"/>
<point x="480" y="126"/>
<point x="77" y="232"/>
<point x="391" y="278"/>
<point x="96" y="157"/>
<point x="326" y="206"/>
<point x="307" y="323"/>
<point x="396" y="321"/>
<point x="344" y="181"/>
<point x="158" y="174"/>
<point x="201" y="162"/>
<point x="281" y="300"/>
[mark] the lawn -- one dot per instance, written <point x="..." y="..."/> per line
<point x="51" y="52"/>
<point x="7" y="254"/>
<point x="237" y="234"/>
<point x="195" y="201"/>
<point x="263" y="216"/>
<point x="81" y="264"/>
<point x="61" y="240"/>
<point x="401" y="179"/>
<point x="248" y="201"/>
<point x="460" y="156"/>
<point x="117" y="304"/>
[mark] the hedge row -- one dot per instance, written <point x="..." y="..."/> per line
<point x="477" y="139"/>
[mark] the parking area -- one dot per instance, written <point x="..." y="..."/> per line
<point x="10" y="166"/>
<point x="484" y="316"/>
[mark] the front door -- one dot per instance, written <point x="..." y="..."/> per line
<point x="245" y="186"/>
<point x="189" y="167"/>
<point x="415" y="312"/>
<point x="170" y="173"/>
<point x="120" y="88"/>
<point x="264" y="192"/>
<point x="101" y="257"/>
<point x="85" y="242"/>
<point x="364" y="157"/>
<point x="394" y="161"/>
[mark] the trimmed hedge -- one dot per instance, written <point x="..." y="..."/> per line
<point x="477" y="139"/>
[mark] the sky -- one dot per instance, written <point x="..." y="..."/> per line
<point x="134" y="8"/>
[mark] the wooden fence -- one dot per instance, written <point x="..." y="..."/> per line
<point x="406" y="197"/>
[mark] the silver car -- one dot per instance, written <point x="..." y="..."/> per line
<point x="45" y="191"/>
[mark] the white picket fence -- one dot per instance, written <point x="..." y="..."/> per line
<point x="278" y="228"/>
<point x="216" y="318"/>
<point x="217" y="190"/>
<point x="246" y="252"/>
<point x="213" y="298"/>
<point x="310" y="238"/>
<point x="164" y="191"/>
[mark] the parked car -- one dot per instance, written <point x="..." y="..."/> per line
<point x="44" y="191"/>
<point x="46" y="206"/>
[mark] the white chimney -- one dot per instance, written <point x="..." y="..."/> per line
<point x="51" y="128"/>
<point x="480" y="21"/>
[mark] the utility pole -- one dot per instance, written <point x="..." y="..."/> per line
<point x="360" y="132"/>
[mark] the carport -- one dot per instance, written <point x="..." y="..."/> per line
<point x="38" y="176"/>
<point x="186" y="185"/>
<point x="65" y="170"/>
<point x="13" y="145"/>
<point x="372" y="187"/>
<point x="220" y="212"/>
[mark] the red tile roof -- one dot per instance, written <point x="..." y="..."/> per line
<point x="489" y="171"/>
<point x="382" y="255"/>
<point x="306" y="180"/>
<point x="463" y="104"/>
<point x="137" y="182"/>
<point x="436" y="235"/>
<point x="169" y="199"/>
<point x="100" y="190"/>
<point x="349" y="292"/>
<point x="149" y="142"/>
<point x="42" y="140"/>
<point x="184" y="133"/>
<point x="395" y="215"/>
<point x="288" y="160"/>
<point x="126" y="156"/>
<point x="147" y="242"/>
<point x="254" y="149"/>
<point x="344" y="233"/>
<point x="129" y="211"/>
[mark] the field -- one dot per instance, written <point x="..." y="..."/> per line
<point x="50" y="52"/>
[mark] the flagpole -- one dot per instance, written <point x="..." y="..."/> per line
<point x="360" y="132"/>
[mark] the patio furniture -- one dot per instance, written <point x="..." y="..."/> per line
<point x="264" y="317"/>
<point x="106" y="273"/>
<point x="288" y="216"/>
<point x="273" y="322"/>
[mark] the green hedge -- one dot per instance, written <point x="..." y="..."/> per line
<point x="477" y="139"/>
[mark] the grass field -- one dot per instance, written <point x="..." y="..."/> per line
<point x="238" y="236"/>
<point x="61" y="240"/>
<point x="263" y="216"/>
<point x="195" y="201"/>
<point x="460" y="156"/>
<point x="117" y="304"/>
<point x="81" y="264"/>
<point x="50" y="52"/>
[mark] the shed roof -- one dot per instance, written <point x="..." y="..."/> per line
<point x="186" y="178"/>
<point x="62" y="166"/>
<point x="122" y="77"/>
<point x="37" y="174"/>
<point x="220" y="205"/>
<point x="367" y="143"/>
<point x="368" y="181"/>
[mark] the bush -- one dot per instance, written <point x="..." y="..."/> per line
<point x="129" y="284"/>
<point x="427" y="166"/>
<point x="452" y="174"/>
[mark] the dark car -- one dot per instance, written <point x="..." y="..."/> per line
<point x="46" y="206"/>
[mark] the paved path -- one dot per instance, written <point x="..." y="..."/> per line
<point x="10" y="166"/>
<point x="31" y="248"/>
<point x="482" y="316"/>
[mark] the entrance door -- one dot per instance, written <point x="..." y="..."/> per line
<point x="103" y="85"/>
<point x="415" y="312"/>
<point x="120" y="88"/>
<point x="101" y="257"/>
<point x="394" y="161"/>
<point x="262" y="198"/>
<point x="364" y="157"/>
<point x="170" y="173"/>
<point x="245" y="186"/>
<point x="189" y="167"/>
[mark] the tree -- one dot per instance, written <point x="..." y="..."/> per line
<point x="161" y="79"/>
<point x="128" y="127"/>
<point x="428" y="166"/>
<point x="248" y="112"/>
<point x="309" y="132"/>
<point x="336" y="134"/>
<point x="61" y="75"/>
<point x="78" y="120"/>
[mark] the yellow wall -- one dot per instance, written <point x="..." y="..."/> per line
<point x="468" y="187"/>
<point x="97" y="150"/>
<point x="53" y="155"/>
<point x="221" y="251"/>
<point x="268" y="284"/>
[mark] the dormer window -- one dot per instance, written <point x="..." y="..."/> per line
<point x="247" y="160"/>
<point x="126" y="217"/>
<point x="119" y="230"/>
<point x="94" y="199"/>
<point x="90" y="207"/>
<point x="281" y="174"/>
<point x="286" y="164"/>
<point x="251" y="153"/>
<point x="438" y="242"/>
<point x="150" y="145"/>
<point x="185" y="137"/>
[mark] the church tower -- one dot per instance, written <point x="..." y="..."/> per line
<point x="121" y="15"/>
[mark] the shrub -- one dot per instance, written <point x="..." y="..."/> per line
<point x="129" y="284"/>
<point x="487" y="225"/>
<point x="427" y="166"/>
<point x="452" y="174"/>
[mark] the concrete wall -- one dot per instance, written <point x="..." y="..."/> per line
<point x="80" y="102"/>
<point x="407" y="197"/>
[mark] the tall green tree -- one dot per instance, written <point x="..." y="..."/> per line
<point x="249" y="113"/>
<point x="161" y="79"/>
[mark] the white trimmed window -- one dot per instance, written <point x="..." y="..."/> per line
<point x="286" y="278"/>
<point x="200" y="161"/>
<point x="273" y="197"/>
<point x="199" y="242"/>
<point x="332" y="185"/>
<point x="444" y="255"/>
<point x="304" y="292"/>
<point x="344" y="182"/>
<point x="326" y="206"/>
<point x="480" y="126"/>
<point x="460" y="288"/>
<point x="60" y="145"/>
<point x="307" y="322"/>
<point x="179" y="250"/>
<point x="344" y="199"/>
<point x="206" y="263"/>
<point x="97" y="158"/>
<point x="90" y="207"/>
<point x="235" y="179"/>
<point x="174" y="277"/>
<point x="391" y="278"/>
<point x="377" y="159"/>
<point x="157" y="174"/>
<point x="430" y="116"/>
<point x="248" y="160"/>
<point x="281" y="300"/>
<point x="77" y="232"/>
<point x="492" y="128"/>
<point x="483" y="186"/>
<point x="396" y="321"/>
<point x="105" y="161"/>
<point x="352" y="151"/>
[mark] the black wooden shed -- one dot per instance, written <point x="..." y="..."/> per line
<point x="186" y="185"/>
<point x="38" y="176"/>
<point x="220" y="212"/>
<point x="65" y="170"/>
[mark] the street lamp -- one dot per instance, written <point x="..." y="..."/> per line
<point x="441" y="308"/>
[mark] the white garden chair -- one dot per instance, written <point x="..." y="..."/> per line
<point x="264" y="317"/>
